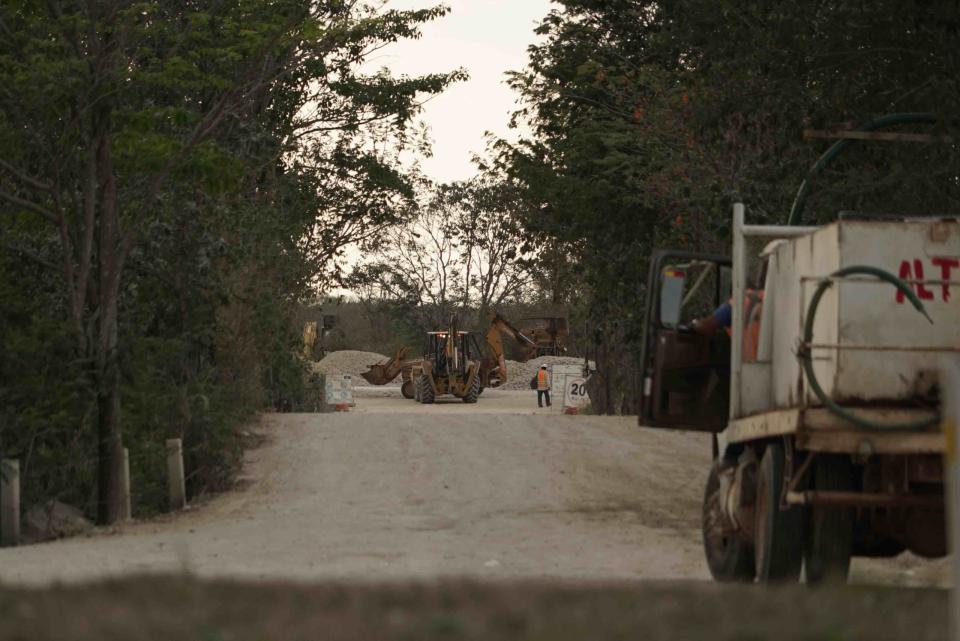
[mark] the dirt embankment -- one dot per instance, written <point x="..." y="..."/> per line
<point x="184" y="608"/>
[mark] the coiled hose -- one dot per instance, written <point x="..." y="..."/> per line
<point x="806" y="353"/>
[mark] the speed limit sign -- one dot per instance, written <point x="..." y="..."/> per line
<point x="575" y="392"/>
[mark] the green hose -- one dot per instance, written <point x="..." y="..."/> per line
<point x="800" y="200"/>
<point x="806" y="353"/>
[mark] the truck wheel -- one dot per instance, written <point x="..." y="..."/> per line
<point x="426" y="390"/>
<point x="407" y="389"/>
<point x="474" y="393"/>
<point x="829" y="539"/>
<point x="729" y="558"/>
<point x="778" y="534"/>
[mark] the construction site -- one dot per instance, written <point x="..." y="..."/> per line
<point x="514" y="321"/>
<point x="440" y="467"/>
<point x="802" y="445"/>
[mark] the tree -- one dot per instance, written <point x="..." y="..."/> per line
<point x="647" y="119"/>
<point x="482" y="214"/>
<point x="459" y="252"/>
<point x="114" y="115"/>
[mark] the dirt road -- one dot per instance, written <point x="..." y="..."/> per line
<point x="396" y="491"/>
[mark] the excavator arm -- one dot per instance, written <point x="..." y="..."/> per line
<point x="500" y="325"/>
<point x="495" y="373"/>
<point x="383" y="373"/>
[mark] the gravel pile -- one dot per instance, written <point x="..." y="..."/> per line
<point x="519" y="374"/>
<point x="355" y="362"/>
<point x="348" y="361"/>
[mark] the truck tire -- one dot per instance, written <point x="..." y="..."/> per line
<point x="729" y="557"/>
<point x="408" y="389"/>
<point x="426" y="390"/>
<point x="474" y="393"/>
<point x="829" y="540"/>
<point x="778" y="534"/>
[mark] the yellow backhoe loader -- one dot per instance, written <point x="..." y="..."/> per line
<point x="450" y="365"/>
<point x="492" y="364"/>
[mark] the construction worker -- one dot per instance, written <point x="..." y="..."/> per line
<point x="722" y="317"/>
<point x="543" y="386"/>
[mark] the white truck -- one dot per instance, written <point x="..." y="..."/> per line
<point x="827" y="440"/>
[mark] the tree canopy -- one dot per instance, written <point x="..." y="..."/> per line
<point x="647" y="120"/>
<point x="173" y="178"/>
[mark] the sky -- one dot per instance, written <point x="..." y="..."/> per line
<point x="487" y="38"/>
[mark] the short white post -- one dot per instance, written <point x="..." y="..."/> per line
<point x="951" y="421"/>
<point x="9" y="502"/>
<point x="175" y="477"/>
<point x="125" y="480"/>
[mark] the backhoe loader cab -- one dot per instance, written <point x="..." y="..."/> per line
<point x="686" y="376"/>
<point x="448" y="352"/>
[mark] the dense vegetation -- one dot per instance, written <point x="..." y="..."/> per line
<point x="644" y="121"/>
<point x="174" y="177"/>
<point x="177" y="178"/>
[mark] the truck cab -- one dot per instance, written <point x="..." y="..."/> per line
<point x="686" y="375"/>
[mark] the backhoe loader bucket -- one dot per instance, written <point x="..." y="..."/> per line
<point x="383" y="373"/>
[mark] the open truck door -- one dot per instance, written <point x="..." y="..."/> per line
<point x="686" y="375"/>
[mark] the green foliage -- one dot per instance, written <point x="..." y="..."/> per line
<point x="45" y="397"/>
<point x="174" y="178"/>
<point x="648" y="119"/>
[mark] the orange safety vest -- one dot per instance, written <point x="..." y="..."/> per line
<point x="752" y="307"/>
<point x="543" y="380"/>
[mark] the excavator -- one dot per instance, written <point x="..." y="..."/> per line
<point x="492" y="364"/>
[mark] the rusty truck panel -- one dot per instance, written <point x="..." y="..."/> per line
<point x="871" y="345"/>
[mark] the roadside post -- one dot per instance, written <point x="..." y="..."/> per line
<point x="951" y="421"/>
<point x="125" y="481"/>
<point x="9" y="502"/>
<point x="175" y="476"/>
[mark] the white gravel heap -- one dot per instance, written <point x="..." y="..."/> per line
<point x="348" y="361"/>
<point x="355" y="362"/>
<point x="519" y="374"/>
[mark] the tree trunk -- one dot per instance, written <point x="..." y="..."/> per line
<point x="110" y="503"/>
<point x="110" y="499"/>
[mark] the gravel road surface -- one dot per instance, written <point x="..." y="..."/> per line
<point x="395" y="491"/>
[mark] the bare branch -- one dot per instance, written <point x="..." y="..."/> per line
<point x="36" y="183"/>
<point x="31" y="206"/>
<point x="26" y="253"/>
